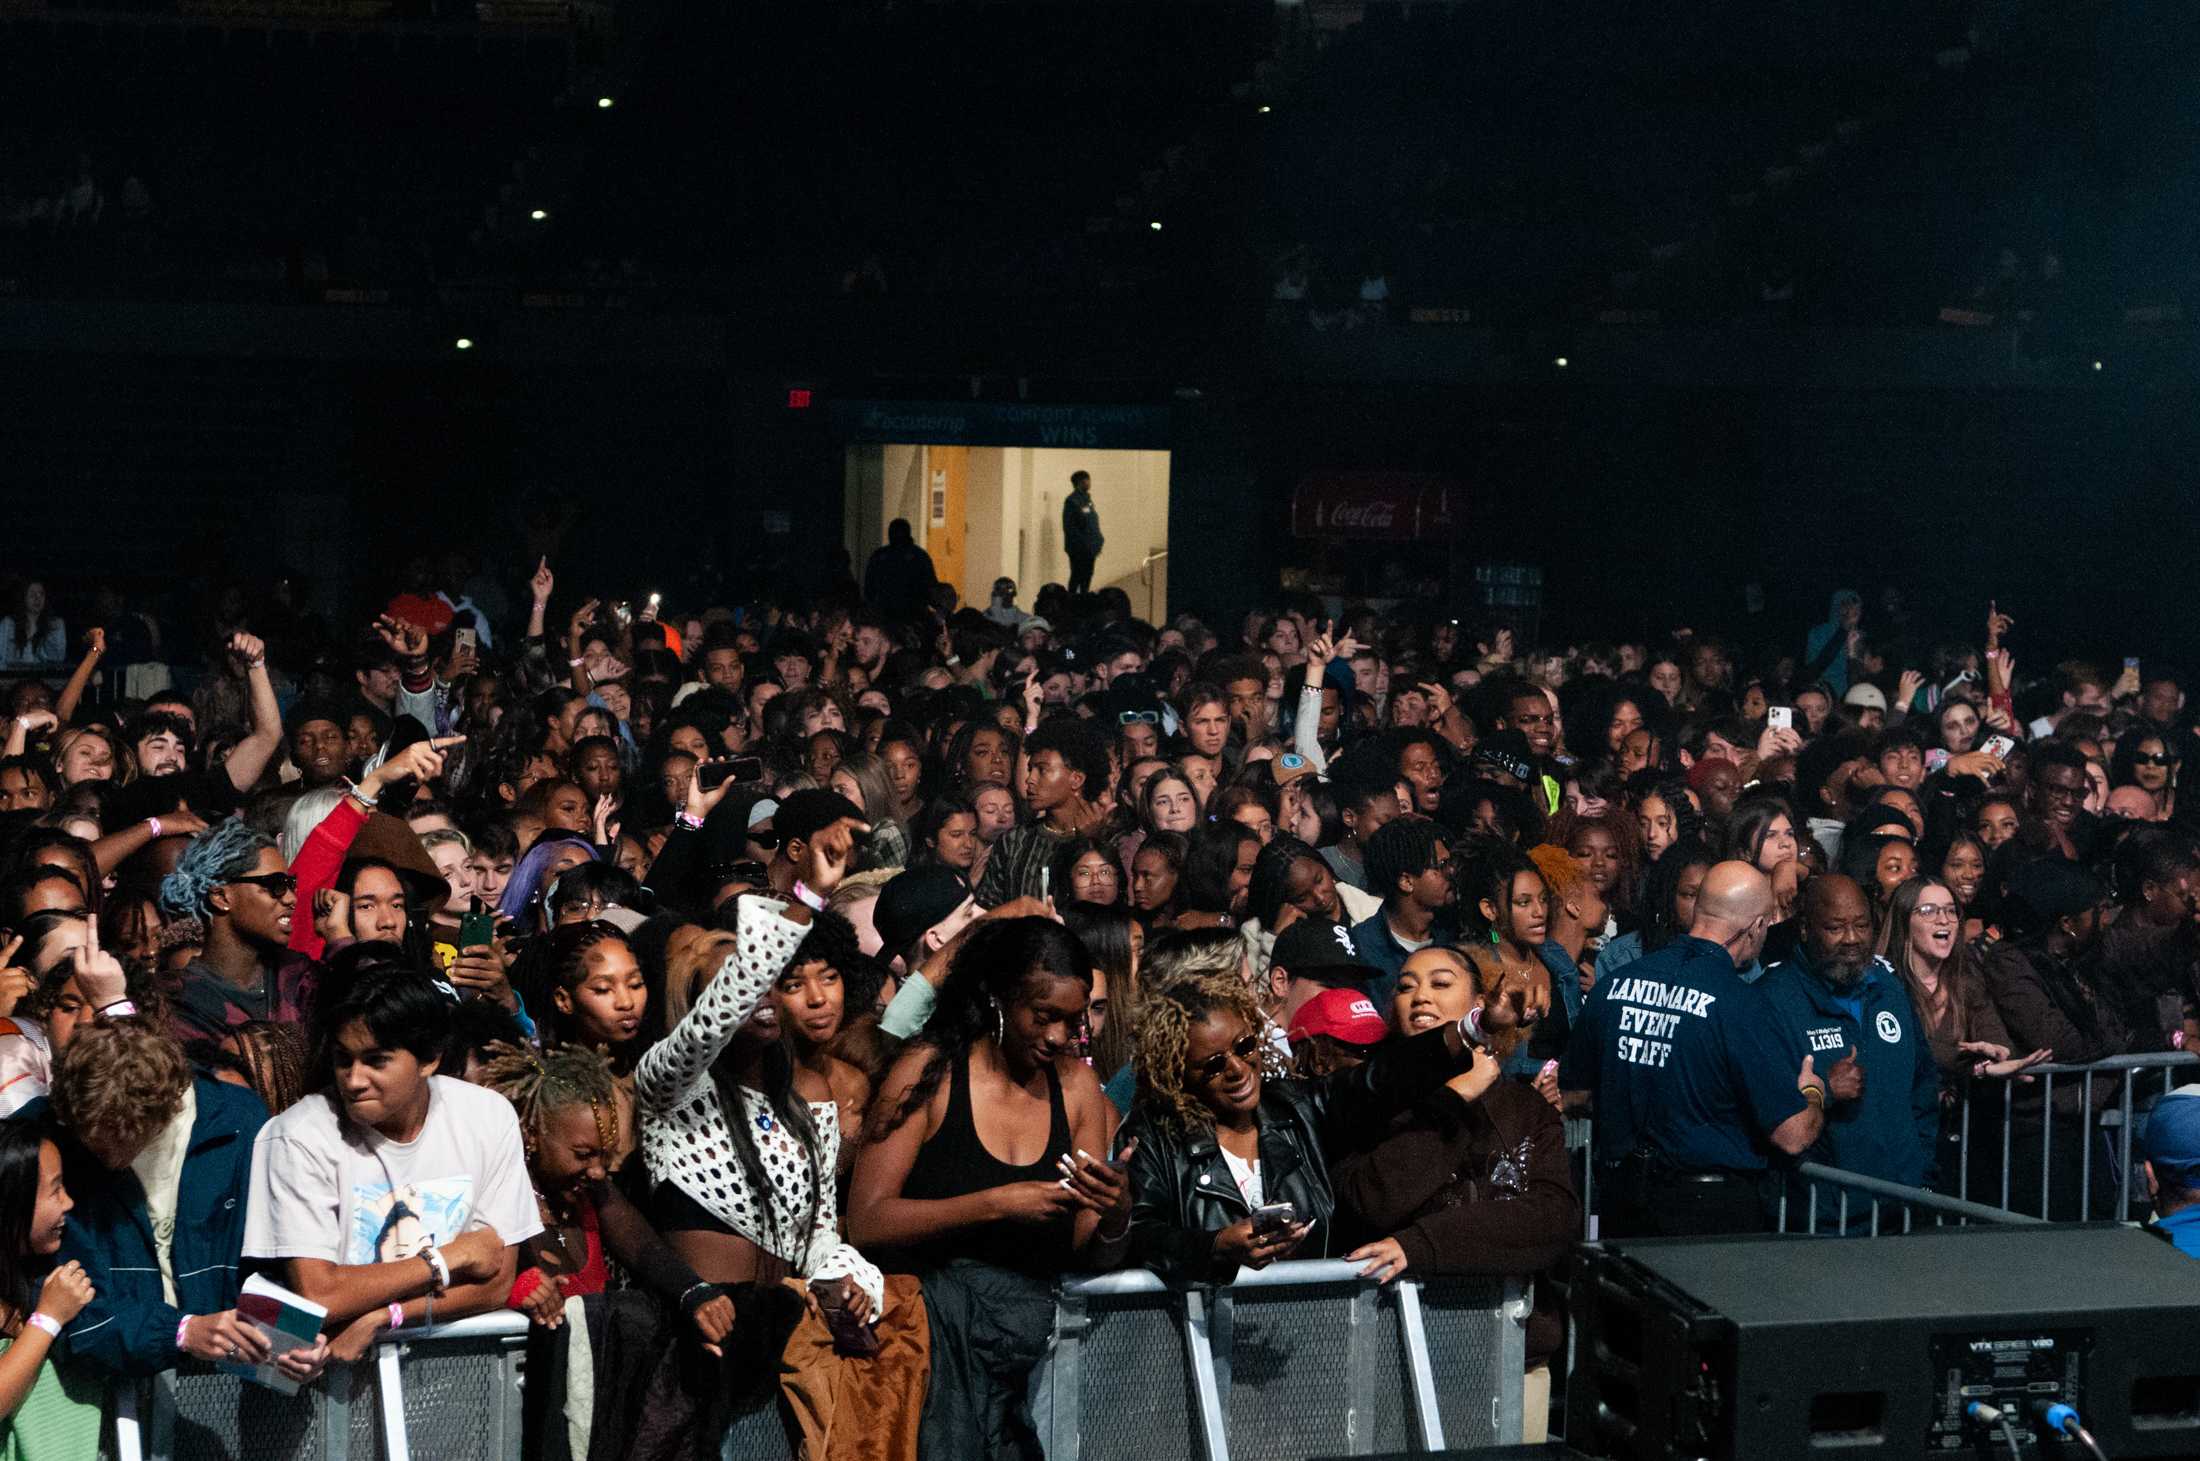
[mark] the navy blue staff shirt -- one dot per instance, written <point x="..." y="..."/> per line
<point x="1684" y="1059"/>
<point x="1891" y="1130"/>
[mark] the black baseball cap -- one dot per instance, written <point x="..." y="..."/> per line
<point x="1311" y="945"/>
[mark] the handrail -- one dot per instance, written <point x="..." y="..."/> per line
<point x="1911" y="1196"/>
<point x="2110" y="1064"/>
<point x="1298" y="1272"/>
<point x="496" y="1324"/>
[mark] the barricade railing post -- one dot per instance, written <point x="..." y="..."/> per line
<point x="1199" y="1353"/>
<point x="2085" y="1148"/>
<point x="2008" y="1112"/>
<point x="1963" y="1143"/>
<point x="1880" y="1190"/>
<point x="1428" y="1420"/>
<point x="2123" y="1148"/>
<point x="1064" y="1421"/>
<point x="1359" y="1367"/>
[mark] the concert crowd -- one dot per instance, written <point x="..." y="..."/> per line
<point x="775" y="1000"/>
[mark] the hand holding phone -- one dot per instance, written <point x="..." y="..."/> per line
<point x="1780" y="717"/>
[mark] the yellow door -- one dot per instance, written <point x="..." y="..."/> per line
<point x="947" y="526"/>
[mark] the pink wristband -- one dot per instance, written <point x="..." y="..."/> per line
<point x="397" y="1316"/>
<point x="802" y="891"/>
<point x="47" y="1322"/>
<point x="154" y="823"/>
<point x="181" y="1325"/>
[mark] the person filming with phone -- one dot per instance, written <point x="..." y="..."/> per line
<point x="1229" y="1156"/>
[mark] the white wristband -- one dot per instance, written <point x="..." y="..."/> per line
<point x="47" y="1322"/>
<point x="1470" y="1027"/>
<point x="802" y="891"/>
<point x="440" y="1264"/>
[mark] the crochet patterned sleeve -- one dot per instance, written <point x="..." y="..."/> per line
<point x="830" y="1255"/>
<point x="764" y="943"/>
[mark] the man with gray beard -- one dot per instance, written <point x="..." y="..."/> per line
<point x="1851" y="1012"/>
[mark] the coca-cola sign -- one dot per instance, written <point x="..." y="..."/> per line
<point x="1374" y="506"/>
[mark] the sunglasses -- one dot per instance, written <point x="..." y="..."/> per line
<point x="1138" y="717"/>
<point x="276" y="885"/>
<point x="2150" y="758"/>
<point x="1247" y="1050"/>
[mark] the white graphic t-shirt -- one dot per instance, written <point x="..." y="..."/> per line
<point x="347" y="1194"/>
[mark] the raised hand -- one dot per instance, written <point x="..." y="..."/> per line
<point x="542" y="583"/>
<point x="65" y="1293"/>
<point x="827" y="856"/>
<point x="95" y="642"/>
<point x="331" y="914"/>
<point x="421" y="761"/>
<point x="248" y="650"/>
<point x="702" y="800"/>
<point x="1997" y="624"/>
<point x="1845" y="1082"/>
<point x="99" y="973"/>
<point x="408" y="641"/>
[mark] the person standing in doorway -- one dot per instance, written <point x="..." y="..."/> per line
<point x="1081" y="537"/>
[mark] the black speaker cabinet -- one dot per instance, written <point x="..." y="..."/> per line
<point x="1751" y="1349"/>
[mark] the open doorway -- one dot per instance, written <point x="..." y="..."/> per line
<point x="988" y="512"/>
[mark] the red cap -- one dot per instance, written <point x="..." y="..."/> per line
<point x="1341" y="1014"/>
<point x="422" y="611"/>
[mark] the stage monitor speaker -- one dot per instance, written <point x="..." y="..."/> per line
<point x="1766" y="1349"/>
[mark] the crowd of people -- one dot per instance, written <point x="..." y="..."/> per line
<point x="775" y="1002"/>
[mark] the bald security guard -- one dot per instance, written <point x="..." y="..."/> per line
<point x="1695" y="1081"/>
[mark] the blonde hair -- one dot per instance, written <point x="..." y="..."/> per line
<point x="688" y="967"/>
<point x="1166" y="1015"/>
<point x="1194" y="953"/>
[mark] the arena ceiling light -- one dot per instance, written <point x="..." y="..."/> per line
<point x="603" y="103"/>
<point x="462" y="343"/>
<point x="538" y="215"/>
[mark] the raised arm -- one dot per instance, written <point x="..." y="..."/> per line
<point x="72" y="694"/>
<point x="766" y="935"/>
<point x="248" y="762"/>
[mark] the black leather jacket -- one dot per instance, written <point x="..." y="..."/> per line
<point x="1182" y="1192"/>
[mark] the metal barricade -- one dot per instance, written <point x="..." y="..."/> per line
<point x="2097" y="1129"/>
<point x="1298" y="1359"/>
<point x="1856" y="1190"/>
<point x="453" y="1389"/>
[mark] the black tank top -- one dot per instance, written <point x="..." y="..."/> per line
<point x="955" y="1162"/>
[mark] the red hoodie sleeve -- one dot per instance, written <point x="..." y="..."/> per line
<point x="316" y="866"/>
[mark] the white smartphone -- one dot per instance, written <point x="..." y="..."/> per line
<point x="1998" y="745"/>
<point x="466" y="639"/>
<point x="1780" y="717"/>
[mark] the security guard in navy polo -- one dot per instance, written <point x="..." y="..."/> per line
<point x="1851" y="1011"/>
<point x="1694" y="1079"/>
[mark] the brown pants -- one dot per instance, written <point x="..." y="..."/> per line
<point x="868" y="1409"/>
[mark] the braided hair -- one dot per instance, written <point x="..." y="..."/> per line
<point x="222" y="853"/>
<point x="1165" y="1019"/>
<point x="995" y="962"/>
<point x="540" y="1084"/>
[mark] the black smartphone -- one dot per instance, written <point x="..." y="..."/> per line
<point x="1274" y="1217"/>
<point x="732" y="768"/>
<point x="851" y="1336"/>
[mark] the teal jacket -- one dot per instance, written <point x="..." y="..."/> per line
<point x="130" y="1329"/>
